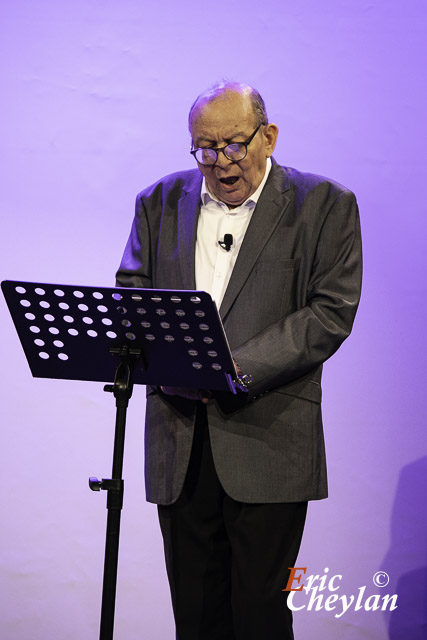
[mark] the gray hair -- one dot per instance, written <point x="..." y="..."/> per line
<point x="258" y="104"/>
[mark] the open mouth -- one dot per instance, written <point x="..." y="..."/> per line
<point x="229" y="181"/>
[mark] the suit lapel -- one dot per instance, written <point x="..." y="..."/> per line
<point x="188" y="213"/>
<point x="269" y="210"/>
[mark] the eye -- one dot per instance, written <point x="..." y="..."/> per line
<point x="234" y="147"/>
<point x="208" y="152"/>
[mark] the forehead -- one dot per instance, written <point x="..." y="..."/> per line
<point x="227" y="114"/>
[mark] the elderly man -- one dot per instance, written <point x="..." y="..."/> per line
<point x="279" y="251"/>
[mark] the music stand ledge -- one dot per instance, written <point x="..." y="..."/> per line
<point x="131" y="336"/>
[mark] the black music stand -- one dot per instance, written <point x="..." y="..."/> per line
<point x="142" y="336"/>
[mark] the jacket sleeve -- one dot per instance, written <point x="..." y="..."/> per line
<point x="303" y="340"/>
<point x="136" y="267"/>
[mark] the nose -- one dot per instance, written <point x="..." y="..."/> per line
<point x="222" y="161"/>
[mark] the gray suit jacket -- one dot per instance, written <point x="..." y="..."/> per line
<point x="290" y="303"/>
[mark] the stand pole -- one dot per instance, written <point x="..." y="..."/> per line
<point x="122" y="390"/>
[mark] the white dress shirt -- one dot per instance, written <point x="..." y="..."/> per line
<point x="214" y="264"/>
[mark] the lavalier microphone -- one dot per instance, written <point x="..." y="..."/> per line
<point x="227" y="242"/>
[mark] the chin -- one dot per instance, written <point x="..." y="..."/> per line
<point x="232" y="203"/>
<point x="235" y="200"/>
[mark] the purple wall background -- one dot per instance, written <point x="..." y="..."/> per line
<point x="91" y="94"/>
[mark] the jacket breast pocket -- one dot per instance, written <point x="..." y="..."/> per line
<point x="268" y="295"/>
<point x="285" y="263"/>
<point x="275" y="282"/>
<point x="275" y="271"/>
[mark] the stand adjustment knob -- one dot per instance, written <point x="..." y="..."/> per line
<point x="95" y="484"/>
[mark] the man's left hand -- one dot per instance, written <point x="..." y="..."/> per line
<point x="191" y="394"/>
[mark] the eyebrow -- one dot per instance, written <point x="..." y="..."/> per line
<point x="227" y="140"/>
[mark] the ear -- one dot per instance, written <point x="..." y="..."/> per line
<point x="270" y="133"/>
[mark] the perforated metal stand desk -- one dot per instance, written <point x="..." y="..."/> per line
<point x="131" y="336"/>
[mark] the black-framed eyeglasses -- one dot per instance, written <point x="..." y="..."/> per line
<point x="235" y="151"/>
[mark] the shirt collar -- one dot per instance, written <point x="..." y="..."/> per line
<point x="207" y="196"/>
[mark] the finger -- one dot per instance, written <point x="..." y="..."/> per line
<point x="177" y="391"/>
<point x="238" y="369"/>
<point x="183" y="392"/>
<point x="189" y="394"/>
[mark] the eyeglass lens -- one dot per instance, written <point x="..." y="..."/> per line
<point x="234" y="152"/>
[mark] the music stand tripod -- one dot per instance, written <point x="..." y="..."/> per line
<point x="142" y="336"/>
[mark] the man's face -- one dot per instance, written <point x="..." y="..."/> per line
<point x="228" y="118"/>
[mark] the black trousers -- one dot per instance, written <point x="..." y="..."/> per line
<point x="227" y="561"/>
